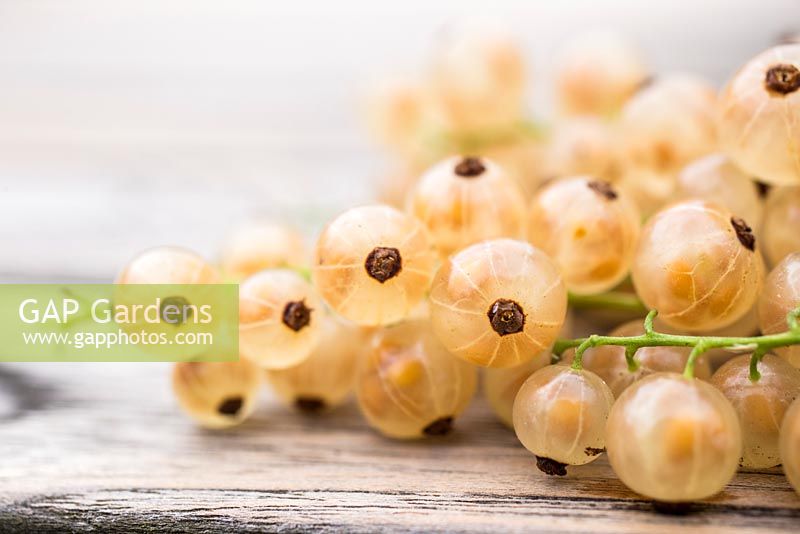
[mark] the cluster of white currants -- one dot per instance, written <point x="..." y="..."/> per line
<point x="405" y="305"/>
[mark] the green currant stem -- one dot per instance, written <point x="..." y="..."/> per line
<point x="760" y="345"/>
<point x="611" y="300"/>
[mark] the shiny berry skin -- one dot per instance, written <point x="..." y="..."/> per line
<point x="560" y="416"/>
<point x="698" y="265"/>
<point x="464" y="200"/>
<point x="759" y="116"/>
<point x="500" y="386"/>
<point x="760" y="405"/>
<point x="278" y="319"/>
<point x="781" y="295"/>
<point x="217" y="394"/>
<point x="790" y="445"/>
<point x="373" y="264"/>
<point x="409" y="386"/>
<point x="589" y="228"/>
<point x="498" y="303"/>
<point x="673" y="439"/>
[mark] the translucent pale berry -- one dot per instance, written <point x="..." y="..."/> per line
<point x="260" y="245"/>
<point x="716" y="179"/>
<point x="500" y="386"/>
<point x="650" y="189"/>
<point x="583" y="145"/>
<point x="396" y="111"/>
<point x="781" y="295"/>
<point x="279" y="319"/>
<point x="597" y="73"/>
<point x="698" y="265"/>
<point x="409" y="386"/>
<point x="216" y="394"/>
<point x="760" y="405"/>
<point x="759" y="116"/>
<point x="669" y="123"/>
<point x="609" y="363"/>
<point x="373" y="264"/>
<point x="498" y="303"/>
<point x="673" y="439"/>
<point x="478" y="77"/>
<point x="589" y="228"/>
<point x="326" y="377"/>
<point x="781" y="220"/>
<point x="463" y="200"/>
<point x="522" y="159"/>
<point x="168" y="265"/>
<point x="790" y="445"/>
<point x="560" y="416"/>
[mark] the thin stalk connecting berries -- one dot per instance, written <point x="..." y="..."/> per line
<point x="759" y="345"/>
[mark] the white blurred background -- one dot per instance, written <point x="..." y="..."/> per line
<point x="132" y="123"/>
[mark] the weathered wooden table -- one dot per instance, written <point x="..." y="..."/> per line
<point x="103" y="447"/>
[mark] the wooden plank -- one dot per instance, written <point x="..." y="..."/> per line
<point x="103" y="446"/>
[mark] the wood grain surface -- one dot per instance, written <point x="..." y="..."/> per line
<point x="103" y="447"/>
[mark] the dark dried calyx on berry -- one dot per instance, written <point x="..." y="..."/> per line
<point x="175" y="310"/>
<point x="506" y="317"/>
<point x="782" y="79"/>
<point x="551" y="467"/>
<point x="593" y="451"/>
<point x="296" y="315"/>
<point x="309" y="404"/>
<point x="383" y="263"/>
<point x="603" y="188"/>
<point x="440" y="427"/>
<point x="230" y="406"/>
<point x="762" y="187"/>
<point x="744" y="233"/>
<point x="470" y="167"/>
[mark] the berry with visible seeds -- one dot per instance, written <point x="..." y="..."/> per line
<point x="698" y="265"/>
<point x="760" y="405"/>
<point x="409" y="386"/>
<point x="673" y="439"/>
<point x="589" y="228"/>
<point x="560" y="416"/>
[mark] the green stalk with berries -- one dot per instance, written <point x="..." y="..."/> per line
<point x="759" y="345"/>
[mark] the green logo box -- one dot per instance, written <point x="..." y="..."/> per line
<point x="119" y="323"/>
